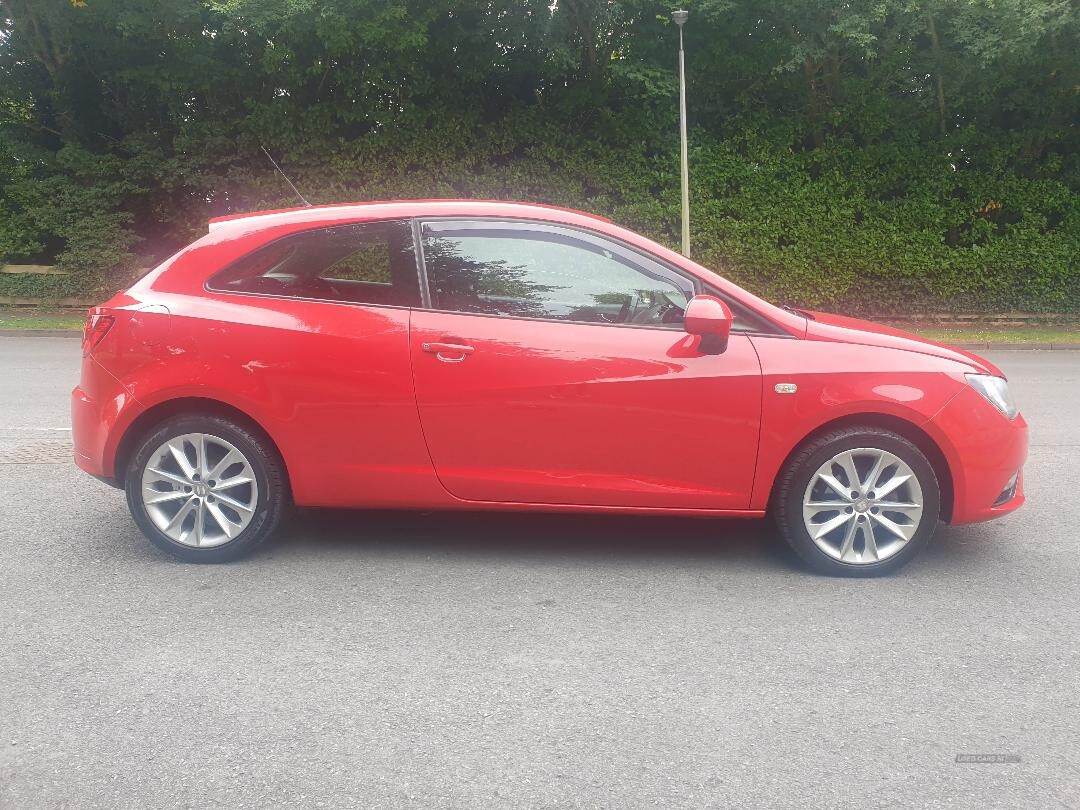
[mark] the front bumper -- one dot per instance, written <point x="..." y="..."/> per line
<point x="984" y="450"/>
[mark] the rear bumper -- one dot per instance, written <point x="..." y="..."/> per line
<point x="984" y="450"/>
<point x="85" y="433"/>
<point x="100" y="406"/>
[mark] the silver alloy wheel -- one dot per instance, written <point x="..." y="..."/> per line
<point x="862" y="506"/>
<point x="199" y="490"/>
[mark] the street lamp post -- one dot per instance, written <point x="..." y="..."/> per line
<point x="680" y="19"/>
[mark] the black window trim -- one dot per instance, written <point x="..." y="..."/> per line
<point x="409" y="222"/>
<point x="417" y="228"/>
<point x="699" y="286"/>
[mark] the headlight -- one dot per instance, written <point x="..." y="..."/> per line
<point x="996" y="392"/>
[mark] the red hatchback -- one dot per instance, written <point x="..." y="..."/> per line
<point x="486" y="355"/>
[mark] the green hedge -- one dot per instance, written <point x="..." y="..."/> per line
<point x="873" y="157"/>
<point x="47" y="287"/>
<point x="878" y="229"/>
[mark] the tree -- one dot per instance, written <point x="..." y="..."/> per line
<point x="821" y="132"/>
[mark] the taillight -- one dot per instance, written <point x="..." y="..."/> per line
<point x="96" y="327"/>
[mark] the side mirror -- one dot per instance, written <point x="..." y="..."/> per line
<point x="709" y="317"/>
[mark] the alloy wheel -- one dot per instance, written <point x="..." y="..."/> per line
<point x="199" y="490"/>
<point x="862" y="506"/>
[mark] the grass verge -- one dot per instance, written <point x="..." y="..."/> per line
<point x="38" y="319"/>
<point x="976" y="334"/>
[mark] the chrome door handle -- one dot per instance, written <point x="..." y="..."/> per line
<point x="446" y="351"/>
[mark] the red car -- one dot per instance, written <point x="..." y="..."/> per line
<point x="487" y="355"/>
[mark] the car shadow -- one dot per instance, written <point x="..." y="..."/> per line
<point x="965" y="548"/>
<point x="590" y="539"/>
<point x="509" y="536"/>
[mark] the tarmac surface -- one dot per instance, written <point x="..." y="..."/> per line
<point x="408" y="660"/>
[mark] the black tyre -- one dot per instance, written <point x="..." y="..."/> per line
<point x="857" y="502"/>
<point x="206" y="489"/>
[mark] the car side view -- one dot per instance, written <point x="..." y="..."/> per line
<point x="488" y="355"/>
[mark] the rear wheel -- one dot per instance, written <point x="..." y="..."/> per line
<point x="858" y="501"/>
<point x="205" y="489"/>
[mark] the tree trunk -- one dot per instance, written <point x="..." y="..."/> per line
<point x="43" y="44"/>
<point x="813" y="102"/>
<point x="935" y="48"/>
<point x="587" y="24"/>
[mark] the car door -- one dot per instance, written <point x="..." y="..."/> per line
<point x="313" y="328"/>
<point x="551" y="367"/>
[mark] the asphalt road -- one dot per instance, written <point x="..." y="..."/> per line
<point x="395" y="660"/>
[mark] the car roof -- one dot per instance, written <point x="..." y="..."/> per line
<point x="280" y="222"/>
<point x="352" y="212"/>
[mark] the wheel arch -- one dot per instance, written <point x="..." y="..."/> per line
<point x="186" y="406"/>
<point x="903" y="427"/>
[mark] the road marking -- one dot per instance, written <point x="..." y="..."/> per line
<point x="24" y="429"/>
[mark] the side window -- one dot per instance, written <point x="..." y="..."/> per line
<point x="540" y="271"/>
<point x="366" y="263"/>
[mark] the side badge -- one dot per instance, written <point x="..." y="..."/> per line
<point x="785" y="388"/>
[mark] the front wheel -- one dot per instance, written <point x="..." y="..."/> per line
<point x="859" y="501"/>
<point x="205" y="489"/>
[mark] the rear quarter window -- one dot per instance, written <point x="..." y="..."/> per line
<point x="362" y="263"/>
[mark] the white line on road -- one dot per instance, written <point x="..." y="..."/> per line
<point x="24" y="429"/>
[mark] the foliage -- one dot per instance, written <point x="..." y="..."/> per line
<point x="874" y="154"/>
